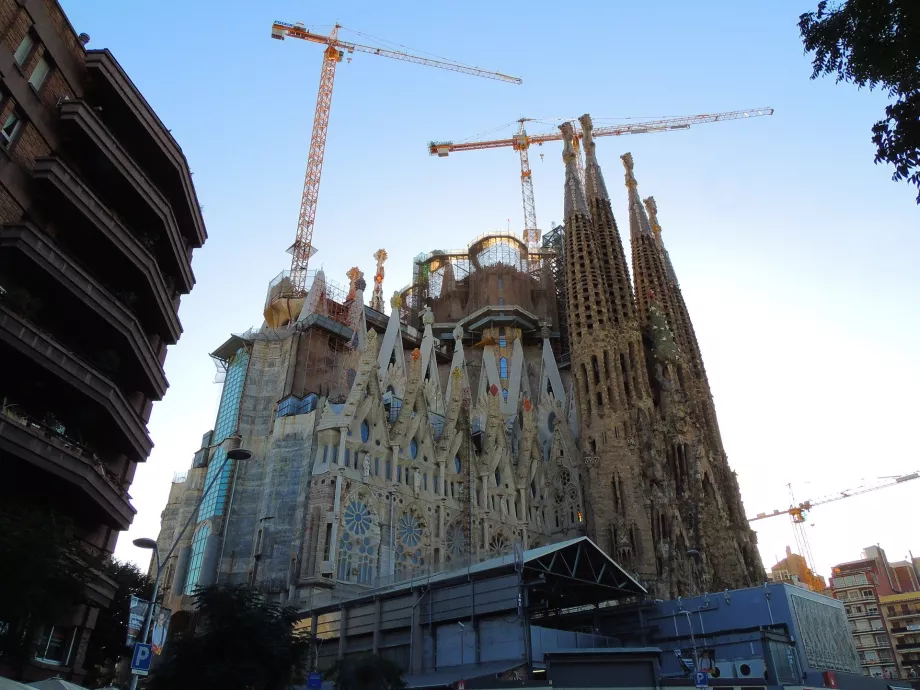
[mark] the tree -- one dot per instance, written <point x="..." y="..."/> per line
<point x="368" y="672"/>
<point x="45" y="571"/>
<point x="108" y="641"/>
<point x="242" y="642"/>
<point x="875" y="43"/>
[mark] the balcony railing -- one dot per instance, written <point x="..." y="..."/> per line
<point x="55" y="436"/>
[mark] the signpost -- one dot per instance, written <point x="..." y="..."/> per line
<point x="140" y="662"/>
<point x="315" y="681"/>
<point x="701" y="678"/>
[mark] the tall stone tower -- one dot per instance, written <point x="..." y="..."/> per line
<point x="607" y="364"/>
<point x="660" y="496"/>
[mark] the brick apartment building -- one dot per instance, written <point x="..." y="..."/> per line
<point x="865" y="586"/>
<point x="98" y="222"/>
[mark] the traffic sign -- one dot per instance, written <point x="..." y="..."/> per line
<point x="702" y="679"/>
<point x="140" y="662"/>
<point x="315" y="680"/>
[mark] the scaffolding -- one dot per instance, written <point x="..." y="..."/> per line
<point x="489" y="249"/>
<point x="333" y="301"/>
<point x="553" y="242"/>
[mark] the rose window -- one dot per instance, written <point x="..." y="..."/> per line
<point x="357" y="518"/>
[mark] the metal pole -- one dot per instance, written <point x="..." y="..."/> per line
<point x="145" y="631"/>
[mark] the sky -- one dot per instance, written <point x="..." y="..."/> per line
<point x="796" y="254"/>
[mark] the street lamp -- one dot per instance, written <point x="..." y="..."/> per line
<point x="147" y="543"/>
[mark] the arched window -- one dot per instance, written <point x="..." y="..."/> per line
<point x="194" y="561"/>
<point x="503" y="367"/>
<point x="458" y="466"/>
<point x="413" y="449"/>
<point x="365" y="431"/>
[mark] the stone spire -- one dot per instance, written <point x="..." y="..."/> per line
<point x="574" y="193"/>
<point x="649" y="271"/>
<point x="652" y="207"/>
<point x="611" y="257"/>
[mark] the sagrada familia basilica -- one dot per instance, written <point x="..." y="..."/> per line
<point x="513" y="398"/>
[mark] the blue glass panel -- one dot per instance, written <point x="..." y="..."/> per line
<point x="365" y="431"/>
<point x="413" y="448"/>
<point x="503" y="367"/>
<point x="389" y="470"/>
<point x="457" y="464"/>
<point x="227" y="415"/>
<point x="194" y="562"/>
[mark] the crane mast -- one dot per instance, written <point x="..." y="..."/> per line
<point x="302" y="248"/>
<point x="522" y="141"/>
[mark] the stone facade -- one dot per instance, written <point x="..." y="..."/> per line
<point x="663" y="499"/>
<point x="448" y="433"/>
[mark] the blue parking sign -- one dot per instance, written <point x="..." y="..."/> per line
<point x="140" y="662"/>
<point x="315" y="681"/>
<point x="702" y="679"/>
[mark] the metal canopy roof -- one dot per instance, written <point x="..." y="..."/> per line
<point x="581" y="560"/>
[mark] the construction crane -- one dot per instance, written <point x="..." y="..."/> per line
<point x="798" y="512"/>
<point x="302" y="249"/>
<point x="522" y="141"/>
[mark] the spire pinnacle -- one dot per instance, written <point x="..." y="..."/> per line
<point x="652" y="209"/>
<point x="594" y="181"/>
<point x="638" y="221"/>
<point x="574" y="193"/>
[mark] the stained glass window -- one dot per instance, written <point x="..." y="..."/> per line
<point x="365" y="431"/>
<point x="458" y="466"/>
<point x="503" y="367"/>
<point x="413" y="449"/>
<point x="358" y="547"/>
<point x="456" y="542"/>
<point x="409" y="529"/>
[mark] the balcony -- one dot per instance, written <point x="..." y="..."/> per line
<point x="130" y="118"/>
<point x="71" y="379"/>
<point x="900" y="615"/>
<point x="39" y="257"/>
<point x="121" y="181"/>
<point x="78" y="467"/>
<point x="907" y="645"/>
<point x="119" y="253"/>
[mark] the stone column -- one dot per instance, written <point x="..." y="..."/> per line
<point x="337" y="504"/>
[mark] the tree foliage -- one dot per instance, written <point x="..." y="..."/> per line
<point x="875" y="43"/>
<point x="107" y="643"/>
<point x="368" y="672"/>
<point x="44" y="573"/>
<point x="242" y="642"/>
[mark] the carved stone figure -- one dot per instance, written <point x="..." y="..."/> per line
<point x="416" y="482"/>
<point x="367" y="466"/>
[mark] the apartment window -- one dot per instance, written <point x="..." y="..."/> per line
<point x="24" y="50"/>
<point x="40" y="73"/>
<point x="55" y="645"/>
<point x="867" y="593"/>
<point x="10" y="129"/>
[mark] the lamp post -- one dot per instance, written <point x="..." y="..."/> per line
<point x="147" y="543"/>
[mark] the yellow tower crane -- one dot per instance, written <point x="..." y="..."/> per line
<point x="335" y="51"/>
<point x="798" y="512"/>
<point x="522" y="141"/>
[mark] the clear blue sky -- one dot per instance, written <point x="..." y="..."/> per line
<point x="797" y="255"/>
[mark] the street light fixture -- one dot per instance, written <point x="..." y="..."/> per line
<point x="148" y="543"/>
